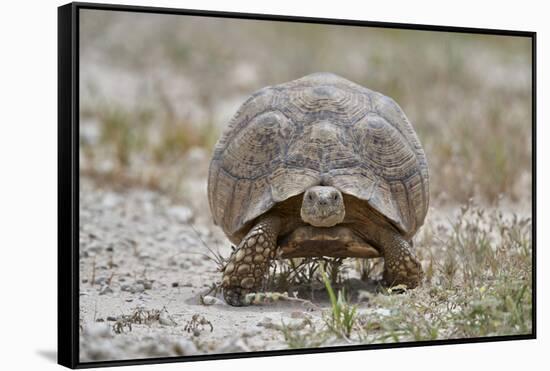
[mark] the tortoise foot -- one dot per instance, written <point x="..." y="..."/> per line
<point x="401" y="265"/>
<point x="248" y="265"/>
<point x="408" y="273"/>
<point x="234" y="297"/>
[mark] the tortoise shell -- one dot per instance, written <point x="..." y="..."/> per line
<point x="320" y="129"/>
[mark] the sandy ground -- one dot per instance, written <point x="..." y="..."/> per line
<point x="145" y="263"/>
<point x="139" y="250"/>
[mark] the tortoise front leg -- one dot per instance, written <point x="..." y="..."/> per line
<point x="400" y="264"/>
<point x="248" y="264"/>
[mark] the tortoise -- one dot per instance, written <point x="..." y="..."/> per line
<point x="318" y="166"/>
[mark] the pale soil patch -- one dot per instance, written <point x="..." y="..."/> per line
<point x="145" y="251"/>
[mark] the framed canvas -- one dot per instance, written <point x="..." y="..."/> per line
<point x="242" y="185"/>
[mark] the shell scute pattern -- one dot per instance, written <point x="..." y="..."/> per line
<point x="320" y="129"/>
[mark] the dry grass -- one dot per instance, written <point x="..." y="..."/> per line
<point x="480" y="285"/>
<point x="155" y="94"/>
<point x="140" y="316"/>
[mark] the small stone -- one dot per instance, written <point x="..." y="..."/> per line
<point x="166" y="320"/>
<point x="126" y="288"/>
<point x="175" y="284"/>
<point x="100" y="280"/>
<point x="211" y="300"/>
<point x="105" y="290"/>
<point x="264" y="321"/>
<point x="111" y="319"/>
<point x="94" y="247"/>
<point x="138" y="287"/>
<point x="148" y="284"/>
<point x="259" y="259"/>
<point x="248" y="259"/>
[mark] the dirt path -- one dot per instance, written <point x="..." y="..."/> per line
<point x="141" y="251"/>
<point x="144" y="265"/>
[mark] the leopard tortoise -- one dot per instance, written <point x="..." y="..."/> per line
<point x="318" y="166"/>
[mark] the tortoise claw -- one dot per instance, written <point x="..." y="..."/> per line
<point x="234" y="297"/>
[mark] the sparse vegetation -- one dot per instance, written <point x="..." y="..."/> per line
<point x="138" y="316"/>
<point x="197" y="324"/>
<point x="342" y="315"/>
<point x="455" y="98"/>
<point x="487" y="292"/>
<point x="309" y="337"/>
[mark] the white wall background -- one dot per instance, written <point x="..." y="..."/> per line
<point x="28" y="182"/>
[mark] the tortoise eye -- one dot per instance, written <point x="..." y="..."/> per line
<point x="335" y="197"/>
<point x="309" y="197"/>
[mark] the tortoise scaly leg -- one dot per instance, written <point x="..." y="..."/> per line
<point x="401" y="267"/>
<point x="248" y="264"/>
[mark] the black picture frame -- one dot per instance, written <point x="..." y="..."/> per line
<point x="68" y="180"/>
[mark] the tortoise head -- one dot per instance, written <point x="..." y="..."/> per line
<point x="323" y="206"/>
